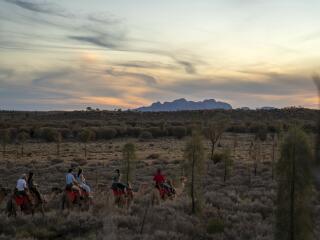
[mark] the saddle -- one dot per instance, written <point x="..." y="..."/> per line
<point x="73" y="194"/>
<point x="20" y="199"/>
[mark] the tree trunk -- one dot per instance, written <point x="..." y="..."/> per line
<point x="255" y="169"/>
<point x="249" y="174"/>
<point x="273" y="158"/>
<point x="22" y="149"/>
<point x="225" y="171"/>
<point x="192" y="183"/>
<point x="292" y="196"/>
<point x="85" y="151"/>
<point x="17" y="151"/>
<point x="4" y="150"/>
<point x="58" y="149"/>
<point x="212" y="150"/>
<point x="128" y="171"/>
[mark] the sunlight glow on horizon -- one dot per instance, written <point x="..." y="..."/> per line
<point x="111" y="54"/>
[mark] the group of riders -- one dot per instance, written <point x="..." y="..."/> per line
<point x="76" y="182"/>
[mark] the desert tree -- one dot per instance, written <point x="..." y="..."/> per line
<point x="214" y="132"/>
<point x="251" y="156"/>
<point x="22" y="138"/>
<point x="274" y="138"/>
<point x="128" y="161"/>
<point x="227" y="164"/>
<point x="294" y="194"/>
<point x="256" y="155"/>
<point x="316" y="79"/>
<point x="85" y="136"/>
<point x="194" y="161"/>
<point x="235" y="143"/>
<point x="58" y="140"/>
<point x="260" y="136"/>
<point x="5" y="139"/>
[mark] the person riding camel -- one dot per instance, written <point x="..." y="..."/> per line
<point x="22" y="187"/>
<point x="116" y="181"/>
<point x="33" y="187"/>
<point x="71" y="182"/>
<point x="160" y="181"/>
<point x="82" y="181"/>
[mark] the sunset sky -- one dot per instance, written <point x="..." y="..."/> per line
<point x="65" y="55"/>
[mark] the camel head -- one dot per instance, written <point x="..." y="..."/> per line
<point x="5" y="191"/>
<point x="183" y="179"/>
<point x="56" y="190"/>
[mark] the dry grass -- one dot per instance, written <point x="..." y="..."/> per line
<point x="241" y="208"/>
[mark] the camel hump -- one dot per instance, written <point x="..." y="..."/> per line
<point x="5" y="190"/>
<point x="56" y="190"/>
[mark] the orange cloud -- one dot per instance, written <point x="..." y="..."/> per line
<point x="125" y="102"/>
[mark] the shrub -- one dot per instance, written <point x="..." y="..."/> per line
<point x="48" y="134"/>
<point x="218" y="157"/>
<point x="145" y="135"/>
<point x="153" y="156"/>
<point x="215" y="226"/>
<point x="133" y="131"/>
<point x="105" y="133"/>
<point x="66" y="133"/>
<point x="178" y="132"/>
<point x="157" y="132"/>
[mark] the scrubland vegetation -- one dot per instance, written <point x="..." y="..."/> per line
<point x="239" y="179"/>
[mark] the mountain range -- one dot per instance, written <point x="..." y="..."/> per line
<point x="182" y="104"/>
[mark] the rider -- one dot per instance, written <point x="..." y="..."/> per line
<point x="116" y="181"/>
<point x="33" y="187"/>
<point x="160" y="181"/>
<point x="82" y="181"/>
<point x="21" y="187"/>
<point x="71" y="182"/>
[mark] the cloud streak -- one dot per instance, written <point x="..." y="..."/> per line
<point x="43" y="7"/>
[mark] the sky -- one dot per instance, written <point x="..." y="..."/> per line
<point x="67" y="55"/>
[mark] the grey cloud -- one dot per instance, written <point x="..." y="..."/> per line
<point x="95" y="40"/>
<point x="43" y="7"/>
<point x="6" y="73"/>
<point x="104" y="18"/>
<point x="146" y="65"/>
<point x="43" y="78"/>
<point x="280" y="85"/>
<point x="262" y="73"/>
<point x="149" y="80"/>
<point x="188" y="66"/>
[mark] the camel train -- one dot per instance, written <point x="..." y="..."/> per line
<point x="26" y="198"/>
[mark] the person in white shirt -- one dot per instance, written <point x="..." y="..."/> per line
<point x="21" y="186"/>
<point x="71" y="182"/>
<point x="82" y="181"/>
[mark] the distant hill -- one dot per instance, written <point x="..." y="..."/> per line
<point x="182" y="105"/>
<point x="267" y="108"/>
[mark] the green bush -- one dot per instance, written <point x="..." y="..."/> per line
<point x="145" y="135"/>
<point x="218" y="157"/>
<point x="105" y="133"/>
<point x="178" y="132"/>
<point x="215" y="226"/>
<point x="48" y="134"/>
<point x="157" y="132"/>
<point x="133" y="131"/>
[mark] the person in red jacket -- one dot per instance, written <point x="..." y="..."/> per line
<point x="158" y="178"/>
<point x="160" y="181"/>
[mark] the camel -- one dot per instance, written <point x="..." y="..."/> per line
<point x="71" y="199"/>
<point x="123" y="198"/>
<point x="49" y="201"/>
<point x="28" y="205"/>
<point x="3" y="193"/>
<point x="156" y="197"/>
